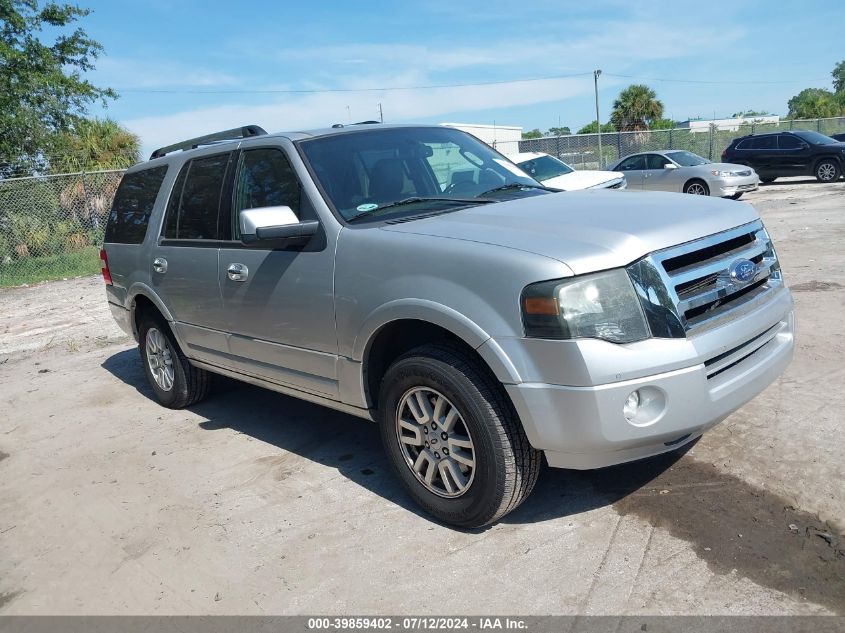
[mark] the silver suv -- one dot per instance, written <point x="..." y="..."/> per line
<point x="413" y="276"/>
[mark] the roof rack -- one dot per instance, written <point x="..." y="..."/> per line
<point x="340" y="125"/>
<point x="226" y="135"/>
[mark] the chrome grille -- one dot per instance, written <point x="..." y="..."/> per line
<point x="744" y="172"/>
<point x="700" y="289"/>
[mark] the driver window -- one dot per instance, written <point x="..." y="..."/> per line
<point x="656" y="161"/>
<point x="265" y="179"/>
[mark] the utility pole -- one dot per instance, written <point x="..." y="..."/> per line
<point x="380" y="113"/>
<point x="596" y="74"/>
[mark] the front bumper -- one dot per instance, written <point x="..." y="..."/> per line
<point x="739" y="184"/>
<point x="584" y="427"/>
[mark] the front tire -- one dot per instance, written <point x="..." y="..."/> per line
<point x="736" y="196"/>
<point x="827" y="170"/>
<point x="453" y="438"/>
<point x="767" y="179"/>
<point x="175" y="381"/>
<point x="697" y="187"/>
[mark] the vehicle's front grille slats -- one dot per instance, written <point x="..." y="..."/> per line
<point x="710" y="280"/>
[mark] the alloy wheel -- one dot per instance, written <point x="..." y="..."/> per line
<point x="697" y="189"/>
<point x="160" y="359"/>
<point x="826" y="171"/>
<point x="435" y="442"/>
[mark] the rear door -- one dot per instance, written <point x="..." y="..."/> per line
<point x="184" y="263"/>
<point x="278" y="304"/>
<point x="761" y="153"/>
<point x="634" y="169"/>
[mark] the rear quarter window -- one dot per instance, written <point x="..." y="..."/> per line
<point x="132" y="206"/>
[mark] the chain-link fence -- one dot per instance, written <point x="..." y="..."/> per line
<point x="581" y="151"/>
<point x="51" y="226"/>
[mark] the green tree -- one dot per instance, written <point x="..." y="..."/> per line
<point x="749" y="114"/>
<point x="814" y="103"/>
<point x="559" y="131"/>
<point x="94" y="144"/>
<point x="636" y="108"/>
<point x="42" y="88"/>
<point x="592" y="127"/>
<point x="535" y="133"/>
<point x="663" y="124"/>
<point x="839" y="77"/>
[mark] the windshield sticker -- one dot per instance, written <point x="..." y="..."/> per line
<point x="370" y="206"/>
<point x="516" y="171"/>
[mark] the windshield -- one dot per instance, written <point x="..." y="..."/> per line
<point x="687" y="159"/>
<point x="545" y="167"/>
<point x="814" y="138"/>
<point x="365" y="173"/>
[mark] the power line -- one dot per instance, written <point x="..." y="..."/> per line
<point x="368" y="89"/>
<point x="456" y="85"/>
<point x="715" y="82"/>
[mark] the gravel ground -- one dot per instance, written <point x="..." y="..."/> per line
<point x="256" y="503"/>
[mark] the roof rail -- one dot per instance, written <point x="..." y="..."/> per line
<point x="226" y="135"/>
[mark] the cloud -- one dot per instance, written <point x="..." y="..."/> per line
<point x="311" y="111"/>
<point x="157" y="73"/>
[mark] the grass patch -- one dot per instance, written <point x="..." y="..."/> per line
<point x="30" y="270"/>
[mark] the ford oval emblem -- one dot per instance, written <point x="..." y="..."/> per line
<point x="743" y="270"/>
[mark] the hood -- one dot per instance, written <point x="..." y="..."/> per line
<point x="588" y="230"/>
<point x="582" y="179"/>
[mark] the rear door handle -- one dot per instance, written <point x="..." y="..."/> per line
<point x="160" y="265"/>
<point x="237" y="272"/>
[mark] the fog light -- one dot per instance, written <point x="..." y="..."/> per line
<point x="632" y="405"/>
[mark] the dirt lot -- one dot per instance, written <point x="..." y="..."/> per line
<point x="253" y="502"/>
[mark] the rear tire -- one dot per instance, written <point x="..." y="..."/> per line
<point x="422" y="388"/>
<point x="827" y="170"/>
<point x="175" y="381"/>
<point x="767" y="179"/>
<point x="697" y="187"/>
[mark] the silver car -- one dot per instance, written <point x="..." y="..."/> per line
<point x="413" y="276"/>
<point x="685" y="172"/>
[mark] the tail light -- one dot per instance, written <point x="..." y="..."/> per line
<point x="724" y="154"/>
<point x="105" y="268"/>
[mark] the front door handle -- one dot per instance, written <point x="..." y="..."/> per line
<point x="237" y="272"/>
<point x="160" y="265"/>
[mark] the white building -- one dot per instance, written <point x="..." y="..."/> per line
<point x="729" y="125"/>
<point x="503" y="138"/>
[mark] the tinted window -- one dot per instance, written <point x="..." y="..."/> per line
<point x="265" y="179"/>
<point x="789" y="142"/>
<point x="632" y="163"/>
<point x="764" y="142"/>
<point x="197" y="200"/>
<point x="656" y="161"/>
<point x="133" y="203"/>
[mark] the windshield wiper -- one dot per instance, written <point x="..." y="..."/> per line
<point x="515" y="185"/>
<point x="412" y="200"/>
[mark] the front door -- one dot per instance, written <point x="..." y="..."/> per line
<point x="278" y="304"/>
<point x="657" y="177"/>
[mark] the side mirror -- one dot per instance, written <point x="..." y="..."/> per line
<point x="670" y="166"/>
<point x="274" y="224"/>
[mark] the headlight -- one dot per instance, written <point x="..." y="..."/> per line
<point x="724" y="174"/>
<point x="602" y="305"/>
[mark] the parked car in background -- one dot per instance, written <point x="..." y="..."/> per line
<point x="838" y="137"/>
<point x="413" y="276"/>
<point x="793" y="153"/>
<point x="553" y="172"/>
<point x="682" y="171"/>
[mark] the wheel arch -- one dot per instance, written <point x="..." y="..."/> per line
<point x="404" y="326"/>
<point x="693" y="179"/>
<point x="142" y="298"/>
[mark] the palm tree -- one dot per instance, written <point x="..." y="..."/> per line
<point x="635" y="108"/>
<point x="94" y="145"/>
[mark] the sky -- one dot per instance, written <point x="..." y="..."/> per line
<point x="184" y="68"/>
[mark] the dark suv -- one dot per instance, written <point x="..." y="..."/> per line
<point x="795" y="153"/>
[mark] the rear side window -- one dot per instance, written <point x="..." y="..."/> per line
<point x="632" y="163"/>
<point x="763" y="142"/>
<point x="132" y="206"/>
<point x="195" y="201"/>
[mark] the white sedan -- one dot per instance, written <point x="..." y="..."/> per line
<point x="553" y="172"/>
